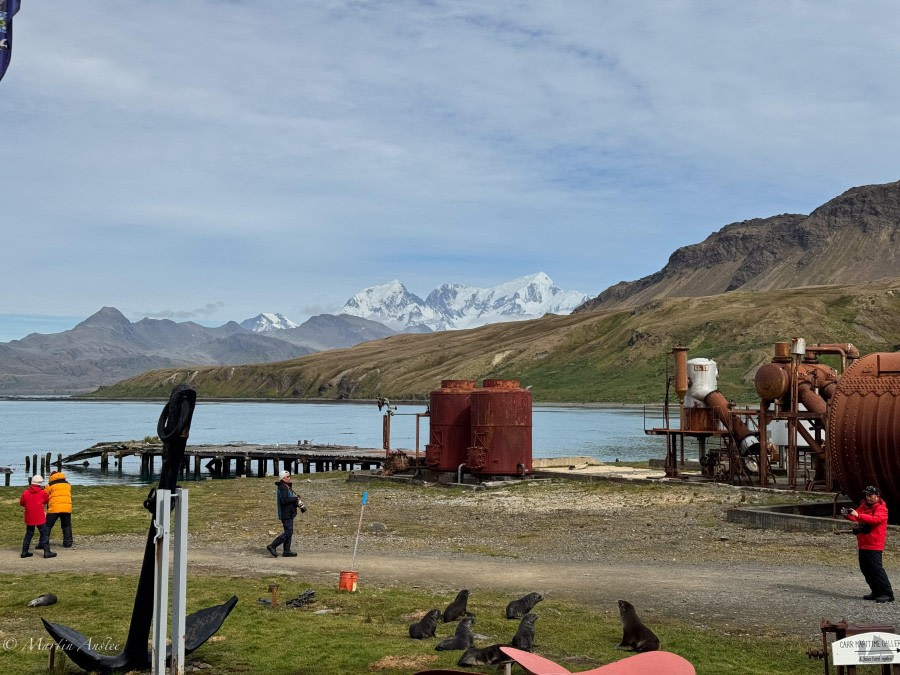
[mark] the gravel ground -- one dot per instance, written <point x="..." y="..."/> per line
<point x="665" y="547"/>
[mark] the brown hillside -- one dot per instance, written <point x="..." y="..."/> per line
<point x="616" y="355"/>
<point x="851" y="239"/>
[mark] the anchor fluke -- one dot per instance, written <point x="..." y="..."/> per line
<point x="203" y="624"/>
<point x="77" y="647"/>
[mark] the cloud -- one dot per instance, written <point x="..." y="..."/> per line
<point x="210" y="309"/>
<point x="280" y="155"/>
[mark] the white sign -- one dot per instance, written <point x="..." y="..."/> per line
<point x="866" y="648"/>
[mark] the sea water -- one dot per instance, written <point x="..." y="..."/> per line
<point x="65" y="426"/>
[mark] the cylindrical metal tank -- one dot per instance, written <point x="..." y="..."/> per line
<point x="501" y="429"/>
<point x="703" y="375"/>
<point x="863" y="440"/>
<point x="450" y="425"/>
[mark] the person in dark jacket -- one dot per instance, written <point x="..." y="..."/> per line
<point x="871" y="518"/>
<point x="60" y="506"/>
<point x="33" y="499"/>
<point x="288" y="503"/>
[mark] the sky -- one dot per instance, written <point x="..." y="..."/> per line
<point x="215" y="159"/>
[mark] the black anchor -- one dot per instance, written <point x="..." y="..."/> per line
<point x="173" y="428"/>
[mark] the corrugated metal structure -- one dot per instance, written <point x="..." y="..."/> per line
<point x="863" y="439"/>
<point x="450" y="425"/>
<point x="501" y="429"/>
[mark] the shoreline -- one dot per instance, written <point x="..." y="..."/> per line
<point x="77" y="398"/>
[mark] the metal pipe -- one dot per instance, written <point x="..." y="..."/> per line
<point x="746" y="440"/>
<point x="459" y="473"/>
<point x="681" y="378"/>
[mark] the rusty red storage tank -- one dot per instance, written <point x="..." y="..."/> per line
<point x="501" y="429"/>
<point x="863" y="439"/>
<point x="450" y="425"/>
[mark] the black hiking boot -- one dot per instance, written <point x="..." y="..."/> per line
<point x="289" y="554"/>
<point x="271" y="549"/>
<point x="26" y="553"/>
<point x="48" y="553"/>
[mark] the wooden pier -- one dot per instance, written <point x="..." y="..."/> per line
<point x="238" y="459"/>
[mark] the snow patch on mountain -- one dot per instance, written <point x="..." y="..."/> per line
<point x="267" y="321"/>
<point x="457" y="306"/>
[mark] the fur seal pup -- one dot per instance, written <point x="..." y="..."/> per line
<point x="524" y="637"/>
<point x="457" y="608"/>
<point x="425" y="626"/>
<point x="462" y="639"/>
<point x="519" y="608"/>
<point x="43" y="600"/>
<point x="483" y="656"/>
<point x="634" y="633"/>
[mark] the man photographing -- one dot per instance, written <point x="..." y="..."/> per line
<point x="871" y="518"/>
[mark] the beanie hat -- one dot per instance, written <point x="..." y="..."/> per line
<point x="285" y="474"/>
<point x="872" y="490"/>
<point x="37" y="480"/>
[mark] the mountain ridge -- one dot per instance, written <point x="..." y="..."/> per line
<point x="106" y="347"/>
<point x="852" y="238"/>
<point x="459" y="306"/>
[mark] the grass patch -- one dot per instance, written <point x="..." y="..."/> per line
<point x="361" y="632"/>
<point x="366" y="632"/>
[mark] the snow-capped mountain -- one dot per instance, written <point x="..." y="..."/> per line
<point x="455" y="306"/>
<point x="267" y="321"/>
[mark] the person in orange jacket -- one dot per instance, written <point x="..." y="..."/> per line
<point x="871" y="518"/>
<point x="33" y="499"/>
<point x="60" y="506"/>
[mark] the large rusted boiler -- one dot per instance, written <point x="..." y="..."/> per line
<point x="863" y="437"/>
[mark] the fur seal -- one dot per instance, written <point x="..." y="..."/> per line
<point x="634" y="633"/>
<point x="457" y="608"/>
<point x="43" y="600"/>
<point x="483" y="656"/>
<point x="462" y="639"/>
<point x="524" y="637"/>
<point x="519" y="608"/>
<point x="425" y="626"/>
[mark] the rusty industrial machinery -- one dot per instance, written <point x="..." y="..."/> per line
<point x="484" y="432"/>
<point x="828" y="428"/>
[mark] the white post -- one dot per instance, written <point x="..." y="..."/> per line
<point x="161" y="581"/>
<point x="179" y="583"/>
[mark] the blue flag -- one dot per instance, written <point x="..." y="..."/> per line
<point x="8" y="8"/>
<point x="365" y="497"/>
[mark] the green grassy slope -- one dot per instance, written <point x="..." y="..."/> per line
<point x="601" y="356"/>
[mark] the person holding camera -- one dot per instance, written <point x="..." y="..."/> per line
<point x="871" y="518"/>
<point x="288" y="503"/>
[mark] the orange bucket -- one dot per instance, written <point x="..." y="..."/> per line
<point x="348" y="581"/>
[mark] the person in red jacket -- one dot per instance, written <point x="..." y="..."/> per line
<point x="33" y="499"/>
<point x="871" y="518"/>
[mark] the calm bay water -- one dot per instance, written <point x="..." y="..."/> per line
<point x="61" y="426"/>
